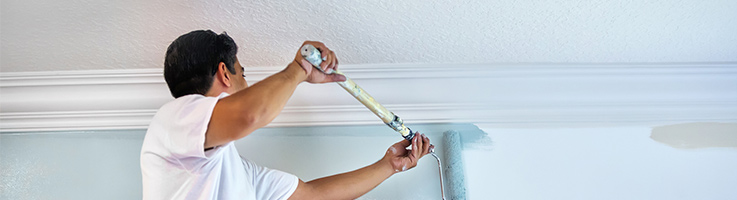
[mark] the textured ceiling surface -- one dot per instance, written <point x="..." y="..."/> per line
<point x="95" y="34"/>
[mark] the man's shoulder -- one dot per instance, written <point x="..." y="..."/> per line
<point x="179" y="123"/>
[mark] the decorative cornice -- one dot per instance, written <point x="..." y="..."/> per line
<point x="383" y="71"/>
<point x="504" y="94"/>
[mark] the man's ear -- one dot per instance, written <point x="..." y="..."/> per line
<point x="224" y="74"/>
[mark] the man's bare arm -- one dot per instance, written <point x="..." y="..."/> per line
<point x="254" y="107"/>
<point x="240" y="114"/>
<point x="351" y="185"/>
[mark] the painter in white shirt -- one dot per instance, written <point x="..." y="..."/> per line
<point x="188" y="151"/>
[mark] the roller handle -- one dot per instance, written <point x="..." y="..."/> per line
<point x="312" y="55"/>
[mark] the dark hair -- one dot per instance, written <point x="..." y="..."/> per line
<point x="192" y="61"/>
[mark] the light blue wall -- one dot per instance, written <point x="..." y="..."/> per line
<point x="105" y="164"/>
<point x="519" y="163"/>
<point x="71" y="165"/>
<point x="603" y="163"/>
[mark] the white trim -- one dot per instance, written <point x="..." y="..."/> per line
<point x="382" y="71"/>
<point x="82" y="100"/>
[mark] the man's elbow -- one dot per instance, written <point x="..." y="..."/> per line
<point x="306" y="191"/>
<point x="250" y="118"/>
<point x="246" y="125"/>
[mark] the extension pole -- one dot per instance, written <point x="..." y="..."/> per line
<point x="313" y="55"/>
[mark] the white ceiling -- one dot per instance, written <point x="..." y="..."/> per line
<point x="99" y="34"/>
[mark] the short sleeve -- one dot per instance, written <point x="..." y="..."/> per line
<point x="272" y="184"/>
<point x="191" y="116"/>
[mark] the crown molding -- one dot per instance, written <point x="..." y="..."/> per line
<point x="382" y="71"/>
<point x="531" y="94"/>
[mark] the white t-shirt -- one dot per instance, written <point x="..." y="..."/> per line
<point x="174" y="164"/>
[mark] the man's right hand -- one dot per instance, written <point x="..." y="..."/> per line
<point x="330" y="63"/>
<point x="402" y="159"/>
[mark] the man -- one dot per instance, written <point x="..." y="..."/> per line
<point x="188" y="151"/>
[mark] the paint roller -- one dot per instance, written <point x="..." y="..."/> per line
<point x="313" y="55"/>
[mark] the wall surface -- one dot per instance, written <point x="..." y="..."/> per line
<point x="499" y="163"/>
<point x="105" y="164"/>
<point x="598" y="163"/>
<point x="82" y="34"/>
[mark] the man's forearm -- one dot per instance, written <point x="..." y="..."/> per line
<point x="351" y="185"/>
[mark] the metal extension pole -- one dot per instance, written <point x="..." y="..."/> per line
<point x="313" y="55"/>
